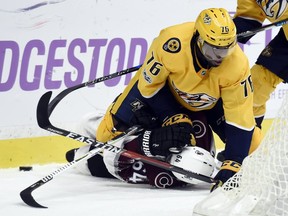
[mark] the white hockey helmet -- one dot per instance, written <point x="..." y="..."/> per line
<point x="194" y="159"/>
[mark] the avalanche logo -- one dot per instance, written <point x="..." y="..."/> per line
<point x="273" y="9"/>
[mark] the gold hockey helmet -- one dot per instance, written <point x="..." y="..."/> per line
<point x="216" y="27"/>
<point x="217" y="34"/>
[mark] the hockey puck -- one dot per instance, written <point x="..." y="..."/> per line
<point x="25" y="168"/>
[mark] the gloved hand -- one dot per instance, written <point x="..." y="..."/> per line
<point x="227" y="170"/>
<point x="166" y="140"/>
<point x="144" y="118"/>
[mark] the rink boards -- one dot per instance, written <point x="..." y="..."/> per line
<point x="50" y="149"/>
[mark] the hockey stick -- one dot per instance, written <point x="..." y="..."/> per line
<point x="45" y="109"/>
<point x="44" y="122"/>
<point x="67" y="91"/>
<point x="26" y="194"/>
<point x="262" y="28"/>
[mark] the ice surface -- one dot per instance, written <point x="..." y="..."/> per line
<point x="72" y="193"/>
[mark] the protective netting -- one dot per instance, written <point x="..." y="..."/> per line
<point x="264" y="174"/>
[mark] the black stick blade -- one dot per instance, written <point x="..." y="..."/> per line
<point x="43" y="122"/>
<point x="26" y="195"/>
<point x="42" y="110"/>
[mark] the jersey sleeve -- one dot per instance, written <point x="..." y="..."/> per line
<point x="162" y="59"/>
<point x="244" y="24"/>
<point x="253" y="13"/>
<point x="237" y="99"/>
<point x="154" y="74"/>
<point x="238" y="104"/>
<point x="250" y="10"/>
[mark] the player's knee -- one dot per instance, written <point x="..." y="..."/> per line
<point x="105" y="130"/>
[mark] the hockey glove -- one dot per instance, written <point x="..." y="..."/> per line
<point x="227" y="170"/>
<point x="166" y="140"/>
<point x="144" y="118"/>
<point x="184" y="120"/>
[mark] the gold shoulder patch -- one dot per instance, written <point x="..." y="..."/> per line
<point x="173" y="45"/>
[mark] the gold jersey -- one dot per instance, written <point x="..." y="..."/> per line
<point x="171" y="59"/>
<point x="264" y="9"/>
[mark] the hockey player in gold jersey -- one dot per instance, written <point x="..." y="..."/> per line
<point x="271" y="67"/>
<point x="191" y="69"/>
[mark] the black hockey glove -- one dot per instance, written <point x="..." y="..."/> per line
<point x="227" y="170"/>
<point x="144" y="118"/>
<point x="166" y="140"/>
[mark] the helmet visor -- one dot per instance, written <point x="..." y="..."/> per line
<point x="216" y="54"/>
